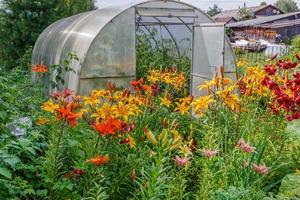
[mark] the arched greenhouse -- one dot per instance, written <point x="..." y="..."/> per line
<point x="105" y="41"/>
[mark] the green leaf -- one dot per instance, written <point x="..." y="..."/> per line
<point x="12" y="161"/>
<point x="24" y="142"/>
<point x="290" y="185"/>
<point x="5" y="172"/>
<point x="293" y="129"/>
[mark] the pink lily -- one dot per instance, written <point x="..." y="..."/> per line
<point x="181" y="162"/>
<point x="209" y="153"/>
<point x="261" y="168"/>
<point x="242" y="144"/>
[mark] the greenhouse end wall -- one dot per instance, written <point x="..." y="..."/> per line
<point x="111" y="55"/>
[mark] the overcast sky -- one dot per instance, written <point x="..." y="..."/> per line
<point x="205" y="4"/>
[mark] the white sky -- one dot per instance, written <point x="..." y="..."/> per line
<point x="205" y="4"/>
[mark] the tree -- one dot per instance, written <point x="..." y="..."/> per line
<point x="23" y="20"/>
<point x="263" y="3"/>
<point x="212" y="11"/>
<point x="287" y="5"/>
<point x="245" y="14"/>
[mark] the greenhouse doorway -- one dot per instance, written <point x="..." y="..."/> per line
<point x="168" y="37"/>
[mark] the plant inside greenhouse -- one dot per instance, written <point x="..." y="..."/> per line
<point x="144" y="100"/>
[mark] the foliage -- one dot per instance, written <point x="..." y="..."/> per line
<point x="153" y="53"/>
<point x="153" y="140"/>
<point x="296" y="43"/>
<point x="263" y="3"/>
<point x="245" y="14"/>
<point x="290" y="186"/>
<point x="287" y="6"/>
<point x="19" y="170"/>
<point x="212" y="11"/>
<point x="23" y="21"/>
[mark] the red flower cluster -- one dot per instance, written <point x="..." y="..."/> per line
<point x="139" y="85"/>
<point x="287" y="94"/>
<point x="109" y="126"/>
<point x="75" y="173"/>
<point x="39" y="68"/>
<point x="68" y="114"/>
<point x="126" y="128"/>
<point x="62" y="94"/>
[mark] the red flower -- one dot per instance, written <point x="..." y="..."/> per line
<point x="125" y="128"/>
<point x="66" y="113"/>
<point x="297" y="78"/>
<point x="287" y="64"/>
<point x="297" y="56"/>
<point x="39" y="68"/>
<point x="155" y="89"/>
<point x="242" y="144"/>
<point x="265" y="81"/>
<point x="261" y="169"/>
<point x="108" y="127"/>
<point x="272" y="85"/>
<point x="62" y="94"/>
<point x="99" y="160"/>
<point x="270" y="69"/>
<point x="194" y="145"/>
<point x="294" y="116"/>
<point x="78" y="172"/>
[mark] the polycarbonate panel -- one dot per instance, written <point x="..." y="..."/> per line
<point x="229" y="61"/>
<point x="112" y="54"/>
<point x="87" y="85"/>
<point x="167" y="12"/>
<point x="164" y="4"/>
<point x="208" y="52"/>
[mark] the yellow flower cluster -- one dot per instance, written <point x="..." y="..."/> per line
<point x="223" y="90"/>
<point x="229" y="98"/>
<point x="202" y="103"/>
<point x="103" y="104"/>
<point x="184" y="105"/>
<point x="169" y="76"/>
<point x="252" y="82"/>
<point x="50" y="106"/>
<point x="242" y="63"/>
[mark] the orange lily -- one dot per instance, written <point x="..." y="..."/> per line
<point x="99" y="160"/>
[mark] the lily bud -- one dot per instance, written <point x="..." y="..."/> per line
<point x="150" y="136"/>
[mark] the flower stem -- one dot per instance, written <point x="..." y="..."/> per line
<point x="97" y="143"/>
<point x="57" y="149"/>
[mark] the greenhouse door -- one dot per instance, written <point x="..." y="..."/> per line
<point x="208" y="54"/>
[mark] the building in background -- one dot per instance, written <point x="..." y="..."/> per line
<point x="273" y="29"/>
<point x="231" y="16"/>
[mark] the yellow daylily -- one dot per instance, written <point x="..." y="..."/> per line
<point x="165" y="102"/>
<point x="104" y="111"/>
<point x="183" y="108"/>
<point x="42" y="121"/>
<point x="50" y="106"/>
<point x="91" y="100"/>
<point x="201" y="104"/>
<point x="131" y="142"/>
<point x="123" y="110"/>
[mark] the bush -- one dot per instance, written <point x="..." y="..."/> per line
<point x="21" y="22"/>
<point x="296" y="43"/>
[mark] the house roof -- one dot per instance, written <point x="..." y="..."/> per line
<point x="281" y="24"/>
<point x="263" y="20"/>
<point x="235" y="12"/>
<point x="225" y="19"/>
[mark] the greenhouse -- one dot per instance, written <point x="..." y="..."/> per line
<point x="105" y="42"/>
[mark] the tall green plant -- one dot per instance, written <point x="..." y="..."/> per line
<point x="21" y="22"/>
